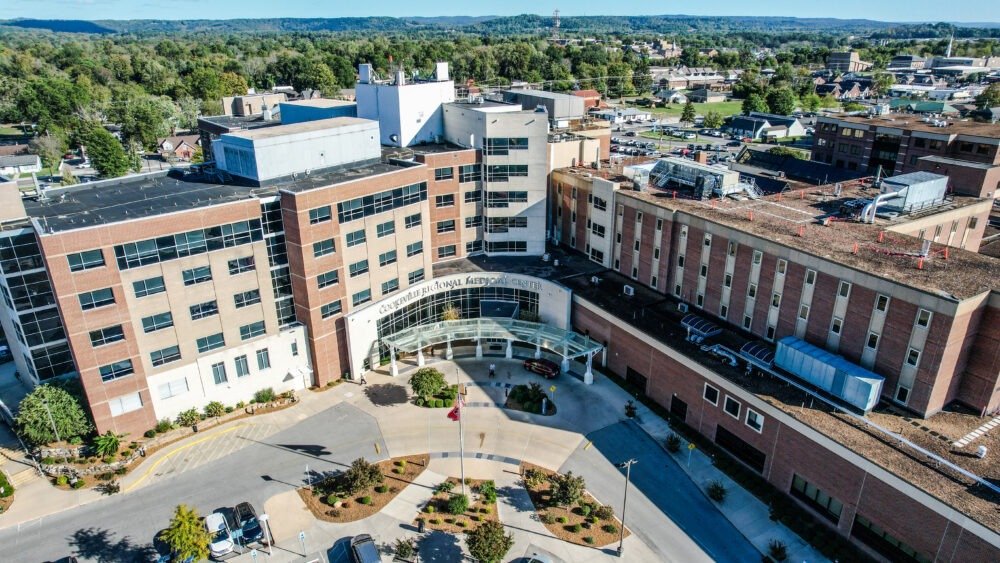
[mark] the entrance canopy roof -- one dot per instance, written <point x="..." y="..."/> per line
<point x="566" y="343"/>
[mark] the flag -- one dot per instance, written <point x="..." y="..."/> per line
<point x="455" y="413"/>
<point x="461" y="401"/>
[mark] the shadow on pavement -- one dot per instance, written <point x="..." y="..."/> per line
<point x="101" y="545"/>
<point x="439" y="546"/>
<point x="386" y="394"/>
<point x="517" y="498"/>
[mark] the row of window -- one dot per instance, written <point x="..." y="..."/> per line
<point x="503" y="145"/>
<point x="366" y="206"/>
<point x="191" y="243"/>
<point x="732" y="407"/>
<point x="180" y="386"/>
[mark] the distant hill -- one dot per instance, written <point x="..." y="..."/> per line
<point x="511" y="25"/>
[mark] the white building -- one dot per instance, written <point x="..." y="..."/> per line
<point x="408" y="109"/>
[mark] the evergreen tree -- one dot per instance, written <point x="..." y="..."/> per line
<point x="688" y="113"/>
<point x="33" y="422"/>
<point x="186" y="535"/>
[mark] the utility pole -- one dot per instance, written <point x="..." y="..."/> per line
<point x="628" y="473"/>
<point x="461" y="429"/>
<point x="56" y="432"/>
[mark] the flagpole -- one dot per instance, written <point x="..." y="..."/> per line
<point x="461" y="428"/>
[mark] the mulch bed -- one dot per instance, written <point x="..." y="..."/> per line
<point x="328" y="386"/>
<point x="349" y="508"/>
<point x="439" y="519"/>
<point x="534" y="408"/>
<point x="6" y="502"/>
<point x="566" y="531"/>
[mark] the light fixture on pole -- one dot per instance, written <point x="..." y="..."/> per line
<point x="267" y="533"/>
<point x="56" y="432"/>
<point x="628" y="473"/>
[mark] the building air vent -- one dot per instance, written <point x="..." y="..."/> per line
<point x="628" y="290"/>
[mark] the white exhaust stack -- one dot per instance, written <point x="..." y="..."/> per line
<point x="441" y="71"/>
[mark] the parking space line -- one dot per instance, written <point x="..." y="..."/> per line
<point x="169" y="454"/>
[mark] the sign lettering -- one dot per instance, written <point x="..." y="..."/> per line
<point x="447" y="284"/>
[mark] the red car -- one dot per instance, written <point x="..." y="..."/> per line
<point x="545" y="368"/>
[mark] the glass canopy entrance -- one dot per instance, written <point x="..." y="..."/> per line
<point x="567" y="344"/>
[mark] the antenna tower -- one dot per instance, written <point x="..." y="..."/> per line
<point x="555" y="29"/>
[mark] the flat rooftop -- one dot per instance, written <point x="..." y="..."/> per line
<point x="321" y="103"/>
<point x="239" y="121"/>
<point x="657" y="316"/>
<point x="303" y="127"/>
<point x="782" y="217"/>
<point x="914" y="123"/>
<point x="159" y="193"/>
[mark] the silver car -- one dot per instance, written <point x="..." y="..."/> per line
<point x="222" y="540"/>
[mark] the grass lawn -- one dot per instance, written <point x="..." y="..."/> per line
<point x="6" y="131"/>
<point x="725" y="108"/>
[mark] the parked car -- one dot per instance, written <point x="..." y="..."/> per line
<point x="246" y="520"/>
<point x="5" y="355"/>
<point x="734" y="143"/>
<point x="545" y="368"/>
<point x="630" y="134"/>
<point x="363" y="550"/>
<point x="689" y="135"/>
<point x="222" y="540"/>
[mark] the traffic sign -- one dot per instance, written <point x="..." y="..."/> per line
<point x="690" y="446"/>
<point x="553" y="388"/>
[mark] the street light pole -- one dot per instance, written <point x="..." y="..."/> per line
<point x="56" y="432"/>
<point x="628" y="473"/>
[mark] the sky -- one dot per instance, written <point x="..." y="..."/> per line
<point x="885" y="10"/>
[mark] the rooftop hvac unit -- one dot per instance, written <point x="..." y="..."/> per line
<point x="628" y="290"/>
<point x="682" y="307"/>
<point x="595" y="280"/>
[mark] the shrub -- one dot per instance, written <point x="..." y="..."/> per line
<point x="420" y="401"/>
<point x="449" y="520"/>
<point x="240" y="405"/>
<point x="332" y="499"/>
<point x="76" y="440"/>
<point x="577" y="528"/>
<point x="404" y="548"/>
<point x="62" y="480"/>
<point x="365" y="500"/>
<point x="561" y="519"/>
<point x="381" y="489"/>
<point x="361" y="475"/>
<point x="48" y="460"/>
<point x="106" y="476"/>
<point x="461" y="523"/>
<point x="397" y="470"/>
<point x="717" y="491"/>
<point x="777" y="550"/>
<point x="630" y="409"/>
<point x="108" y="459"/>
<point x="163" y="426"/>
<point x="673" y="443"/>
<point x="151" y="433"/>
<point x="188" y="418"/>
<point x="427" y="382"/>
<point x="107" y="444"/>
<point x="121" y="471"/>
<point x="486" y="510"/>
<point x="401" y="463"/>
<point x="80" y="483"/>
<point x="468" y="480"/>
<point x="611" y="528"/>
<point x="585" y="510"/>
<point x="477" y="518"/>
<point x="265" y="395"/>
<point x="567" y="489"/>
<point x="229" y="410"/>
<point x="488" y="491"/>
<point x="605" y="512"/>
<point x="215" y="409"/>
<point x="458" y="504"/>
<point x="548" y="518"/>
<point x="438" y="403"/>
<point x="435" y="521"/>
<point x="448" y="403"/>
<point x="534" y="477"/>
<point x="589" y="540"/>
<point x="445" y="487"/>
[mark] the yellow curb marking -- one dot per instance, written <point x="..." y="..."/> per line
<point x="587" y="447"/>
<point x="377" y="450"/>
<point x="184" y="447"/>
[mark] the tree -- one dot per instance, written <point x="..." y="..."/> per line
<point x="488" y="543"/>
<point x="781" y="101"/>
<point x="186" y="535"/>
<point x="361" y="475"/>
<point x="620" y="80"/>
<point x="713" y="120"/>
<point x="990" y="97"/>
<point x="107" y="155"/>
<point x="882" y="82"/>
<point x="688" y="114"/>
<point x="107" y="444"/>
<point x="829" y="102"/>
<point x="66" y="175"/>
<point x="427" y="382"/>
<point x="567" y="489"/>
<point x="811" y="101"/>
<point x="50" y="148"/>
<point x="33" y="423"/>
<point x="754" y="102"/>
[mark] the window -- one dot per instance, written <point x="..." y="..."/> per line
<point x="659" y="224"/>
<point x="723" y="311"/>
<point x="782" y="265"/>
<point x="251" y="330"/>
<point x="86" y="260"/>
<point x="836" y="325"/>
<point x="106" y="335"/>
<point x="711" y="394"/>
<point x="149" y="286"/>
<point x="242" y="367"/>
<point x="385" y="229"/>
<point x="210" y="343"/>
<point x="473" y="196"/>
<point x="656" y="253"/>
<point x="754" y="420"/>
<point x="415" y="276"/>
<point x="881" y="303"/>
<point x="116" y="370"/>
<point x="913" y="357"/>
<point x="732" y="407"/>
<point x="732" y="248"/>
<point x="96" y="298"/>
<point x="165" y="356"/>
<point x="202" y="310"/>
<point x="330" y="309"/>
<point x="601" y="205"/>
<point x="757" y="256"/>
<point x="635" y="272"/>
<point x="446" y="226"/>
<point x="703" y="272"/>
<point x="844" y="290"/>
<point x="360" y="297"/>
<point x="973" y="221"/>
<point x="636" y="245"/>
<point x="708" y="240"/>
<point x="125" y="403"/>
<point x="411" y="221"/>
<point x="680" y="261"/>
<point x="446" y="200"/>
<point x="923" y="318"/>
<point x="157" y="322"/>
<point x="496" y="200"/>
<point x="390" y="286"/>
<point x="326" y="279"/>
<point x="747" y="322"/>
<point x="263" y="359"/>
<point x="219" y="373"/>
<point x="387" y="258"/>
<point x="776" y="300"/>
<point x="444" y="174"/>
<point x="919" y="143"/>
<point x="355" y="238"/>
<point x="823" y="503"/>
<point x="501" y="145"/>
<point x="727" y="280"/>
<point x="652" y="282"/>
<point x="241" y="265"/>
<point x="247" y="298"/>
<point x="446" y="251"/>
<point x="469" y="173"/>
<point x="474" y="221"/>
<point x="295" y="348"/>
<point x="902" y="394"/>
<point x="368" y="205"/>
<point x="872" y="341"/>
<point x="319" y="215"/>
<point x="324" y="247"/>
<point x="197" y="275"/>
<point x="769" y="334"/>
<point x="174" y="388"/>
<point x="752" y="291"/>
<point x="804" y="312"/>
<point x="810" y="277"/>
<point x="415" y="248"/>
<point x="358" y="268"/>
<point x="597" y="255"/>
<point x="507" y="246"/>
<point x="700" y="300"/>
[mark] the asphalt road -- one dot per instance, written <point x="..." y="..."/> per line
<point x="657" y="484"/>
<point x="122" y="529"/>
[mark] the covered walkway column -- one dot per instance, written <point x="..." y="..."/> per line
<point x="510" y="349"/>
<point x="447" y="352"/>
<point x="538" y="350"/>
<point x="565" y="360"/>
<point x="588" y="376"/>
<point x="479" y="349"/>
<point x="420" y="357"/>
<point x="393" y="368"/>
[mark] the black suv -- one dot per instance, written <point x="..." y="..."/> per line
<point x="246" y="520"/>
